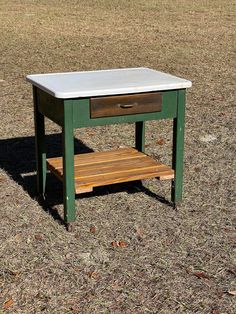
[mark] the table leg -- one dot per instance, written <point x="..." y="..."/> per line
<point x="68" y="166"/>
<point x="140" y="136"/>
<point x="178" y="150"/>
<point x="39" y="146"/>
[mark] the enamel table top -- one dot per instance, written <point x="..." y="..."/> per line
<point x="106" y="82"/>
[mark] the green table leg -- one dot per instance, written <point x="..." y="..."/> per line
<point x="178" y="150"/>
<point x="39" y="146"/>
<point x="68" y="166"/>
<point x="140" y="136"/>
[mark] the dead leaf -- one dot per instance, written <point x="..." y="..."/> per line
<point x="119" y="243"/>
<point x="91" y="133"/>
<point x="161" y="141"/>
<point x="232" y="292"/>
<point x="122" y="244"/>
<point x="93" y="274"/>
<point x="197" y="169"/>
<point x="68" y="255"/>
<point x="115" y="243"/>
<point x="8" y="304"/>
<point x="201" y="275"/>
<point x="92" y="229"/>
<point x="39" y="237"/>
<point x="18" y="237"/>
<point x="115" y="285"/>
<point x="221" y="114"/>
<point x="189" y="270"/>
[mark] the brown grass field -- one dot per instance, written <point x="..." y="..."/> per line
<point x="180" y="261"/>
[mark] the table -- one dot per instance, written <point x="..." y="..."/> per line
<point x="92" y="98"/>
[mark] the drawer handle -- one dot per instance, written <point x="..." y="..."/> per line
<point x="125" y="106"/>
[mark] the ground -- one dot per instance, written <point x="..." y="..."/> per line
<point x="171" y="261"/>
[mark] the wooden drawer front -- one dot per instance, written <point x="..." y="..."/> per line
<point x="125" y="104"/>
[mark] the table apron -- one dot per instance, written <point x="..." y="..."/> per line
<point x="54" y="108"/>
<point x="50" y="107"/>
<point x="82" y="116"/>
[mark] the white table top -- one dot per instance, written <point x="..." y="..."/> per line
<point x="106" y="82"/>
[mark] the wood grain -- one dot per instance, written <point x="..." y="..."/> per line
<point x="115" y="166"/>
<point x="125" y="104"/>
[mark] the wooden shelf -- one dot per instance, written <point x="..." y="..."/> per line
<point x="109" y="167"/>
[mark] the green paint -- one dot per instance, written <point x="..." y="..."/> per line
<point x="140" y="136"/>
<point x="178" y="149"/>
<point x="82" y="118"/>
<point x="40" y="148"/>
<point x="75" y="113"/>
<point x="50" y="107"/>
<point x="68" y="163"/>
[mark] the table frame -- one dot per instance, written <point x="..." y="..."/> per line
<point x="74" y="113"/>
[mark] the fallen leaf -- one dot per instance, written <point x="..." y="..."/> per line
<point x="91" y="133"/>
<point x="232" y="292"/>
<point x="197" y="169"/>
<point x="93" y="274"/>
<point x="122" y="244"/>
<point x="18" y="237"/>
<point x="68" y="255"/>
<point x="160" y="141"/>
<point x="189" y="270"/>
<point x="119" y="243"/>
<point x="92" y="229"/>
<point x="7" y="304"/>
<point x="39" y="237"/>
<point x="115" y="243"/>
<point x="116" y="286"/>
<point x="221" y="114"/>
<point x="201" y="274"/>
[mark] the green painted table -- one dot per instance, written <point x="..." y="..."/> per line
<point x="92" y="98"/>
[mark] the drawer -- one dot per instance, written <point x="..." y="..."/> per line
<point x="120" y="105"/>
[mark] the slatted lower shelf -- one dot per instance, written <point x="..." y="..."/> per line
<point x="109" y="167"/>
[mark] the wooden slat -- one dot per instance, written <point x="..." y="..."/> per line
<point x="99" y="157"/>
<point x="119" y="178"/>
<point x="116" y="166"/>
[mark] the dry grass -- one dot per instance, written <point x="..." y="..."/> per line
<point x="44" y="269"/>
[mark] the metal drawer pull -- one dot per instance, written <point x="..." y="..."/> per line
<point x="125" y="106"/>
